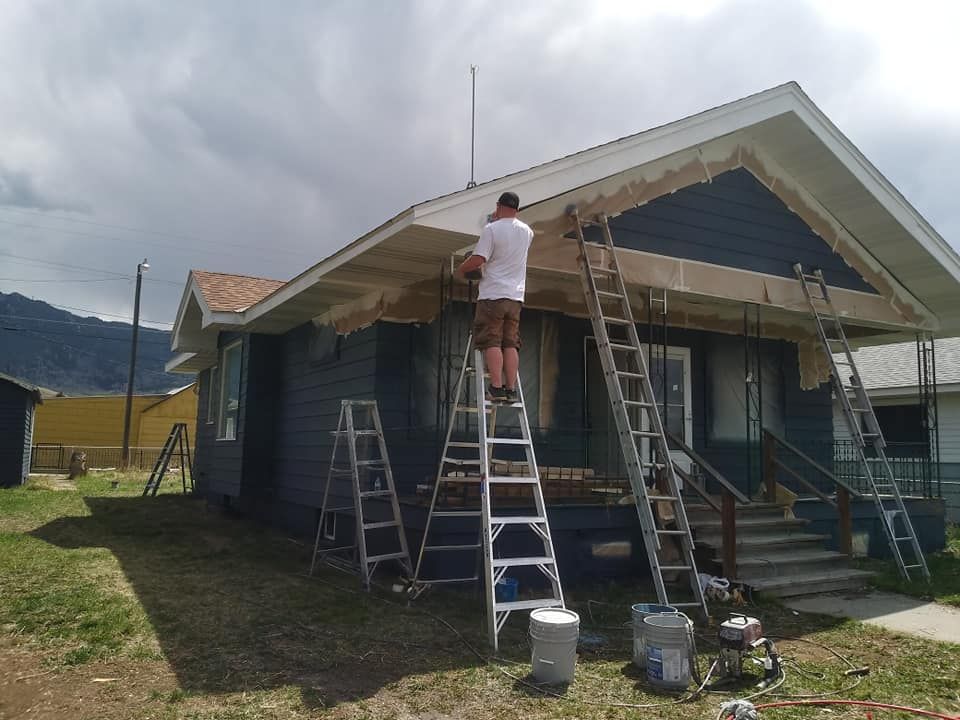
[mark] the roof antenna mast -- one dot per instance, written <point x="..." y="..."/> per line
<point x="473" y="120"/>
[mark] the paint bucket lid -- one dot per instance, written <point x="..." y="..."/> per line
<point x="556" y="617"/>
<point x="667" y="621"/>
<point x="653" y="609"/>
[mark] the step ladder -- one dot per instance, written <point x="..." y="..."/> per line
<point x="176" y="445"/>
<point x="886" y="494"/>
<point x="360" y="475"/>
<point x="652" y="480"/>
<point x="480" y="463"/>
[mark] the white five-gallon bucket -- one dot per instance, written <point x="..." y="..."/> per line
<point x="667" y="639"/>
<point x="639" y="612"/>
<point x="553" y="636"/>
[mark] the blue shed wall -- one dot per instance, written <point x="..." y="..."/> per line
<point x="14" y="433"/>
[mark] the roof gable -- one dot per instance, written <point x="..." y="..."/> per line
<point x="223" y="292"/>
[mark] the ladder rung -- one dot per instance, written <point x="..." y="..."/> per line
<point x="448" y="548"/>
<point x="384" y="524"/>
<point x="358" y="433"/>
<point x="386" y="556"/>
<point x="440" y="581"/>
<point x="527" y="604"/>
<point x="460" y="478"/>
<point x="905" y="538"/>
<point x="523" y="561"/>
<point x="517" y="519"/>
<point x="370" y="463"/>
<point x="506" y="480"/>
<point x="911" y="567"/>
<point x="637" y="403"/>
<point x="645" y="433"/>
<point x="469" y="408"/>
<point x="616" y="321"/>
<point x="628" y="374"/>
<point x="662" y="498"/>
<point x="685" y="604"/>
<point x="502" y="404"/>
<point x="674" y="567"/>
<point x="463" y="444"/>
<point x="623" y="348"/>
<point x="671" y="532"/>
<point x="603" y="271"/>
<point x="375" y="493"/>
<point x="461" y="461"/>
<point x="507" y="441"/>
<point x="457" y="513"/>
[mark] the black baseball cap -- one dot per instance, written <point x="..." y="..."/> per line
<point x="510" y="200"/>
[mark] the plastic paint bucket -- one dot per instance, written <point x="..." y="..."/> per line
<point x="553" y="638"/>
<point x="506" y="589"/>
<point x="667" y="639"/>
<point x="639" y="612"/>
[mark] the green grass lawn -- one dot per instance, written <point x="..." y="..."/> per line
<point x="944" y="566"/>
<point x="116" y="606"/>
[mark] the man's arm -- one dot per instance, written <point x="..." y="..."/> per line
<point x="474" y="262"/>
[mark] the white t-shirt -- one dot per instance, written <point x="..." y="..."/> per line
<point x="504" y="244"/>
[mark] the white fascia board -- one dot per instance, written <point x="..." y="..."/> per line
<point x="174" y="363"/>
<point x="464" y="211"/>
<point x="308" y="279"/>
<point x="877" y="185"/>
<point x="191" y="289"/>
<point x="222" y="319"/>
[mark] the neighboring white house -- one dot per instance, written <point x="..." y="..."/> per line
<point x="890" y="375"/>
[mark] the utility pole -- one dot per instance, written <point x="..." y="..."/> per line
<point x="125" y="452"/>
<point x="473" y="119"/>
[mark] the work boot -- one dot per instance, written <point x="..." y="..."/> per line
<point x="511" y="395"/>
<point x="496" y="394"/>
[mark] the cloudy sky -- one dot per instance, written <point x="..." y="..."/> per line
<point x="257" y="138"/>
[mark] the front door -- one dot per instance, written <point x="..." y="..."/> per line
<point x="672" y="382"/>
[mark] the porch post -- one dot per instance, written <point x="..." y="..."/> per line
<point x="728" y="524"/>
<point x="845" y="538"/>
<point x="769" y="466"/>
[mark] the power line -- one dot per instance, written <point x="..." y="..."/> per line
<point x="84" y="336"/>
<point x="187" y="248"/>
<point x="61" y="280"/>
<point x="91" y="354"/>
<point x="97" y="312"/>
<point x="104" y="324"/>
<point x="71" y="266"/>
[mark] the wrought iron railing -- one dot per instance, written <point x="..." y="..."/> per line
<point x="53" y="457"/>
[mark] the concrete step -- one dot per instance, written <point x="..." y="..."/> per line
<point x="812" y="583"/>
<point x="752" y="546"/>
<point x="749" y="527"/>
<point x="773" y="564"/>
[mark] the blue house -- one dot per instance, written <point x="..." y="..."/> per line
<point x="709" y="215"/>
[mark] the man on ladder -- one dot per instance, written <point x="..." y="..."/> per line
<point x="502" y="253"/>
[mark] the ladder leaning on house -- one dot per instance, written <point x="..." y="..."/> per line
<point x="526" y="518"/>
<point x="637" y="418"/>
<point x="885" y="491"/>
<point x="177" y="445"/>
<point x="368" y="481"/>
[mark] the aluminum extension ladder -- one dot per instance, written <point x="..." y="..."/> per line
<point x="490" y="519"/>
<point x="651" y="480"/>
<point x="177" y="444"/>
<point x="826" y="318"/>
<point x="371" y="484"/>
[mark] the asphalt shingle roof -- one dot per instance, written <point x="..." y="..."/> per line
<point x="890" y="366"/>
<point x="233" y="293"/>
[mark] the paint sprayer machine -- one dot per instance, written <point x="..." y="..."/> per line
<point x="740" y="637"/>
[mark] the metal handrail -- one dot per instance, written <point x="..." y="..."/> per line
<point x="812" y="463"/>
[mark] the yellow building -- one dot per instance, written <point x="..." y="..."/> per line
<point x="97" y="421"/>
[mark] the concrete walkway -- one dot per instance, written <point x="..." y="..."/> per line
<point x="899" y="613"/>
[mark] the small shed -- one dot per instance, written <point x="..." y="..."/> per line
<point x="17" y="402"/>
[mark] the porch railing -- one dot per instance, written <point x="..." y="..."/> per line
<point x="836" y="494"/>
<point x="730" y="496"/>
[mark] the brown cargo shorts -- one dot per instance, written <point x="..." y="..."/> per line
<point x="497" y="324"/>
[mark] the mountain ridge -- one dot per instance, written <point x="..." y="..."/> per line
<point x="80" y="355"/>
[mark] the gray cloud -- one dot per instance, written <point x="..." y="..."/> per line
<point x="260" y="138"/>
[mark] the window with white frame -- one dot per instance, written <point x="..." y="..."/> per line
<point x="229" y="406"/>
<point x="211" y="395"/>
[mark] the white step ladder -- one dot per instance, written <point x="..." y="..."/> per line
<point x="886" y="494"/>
<point x="476" y="464"/>
<point x="636" y="415"/>
<point x="367" y="471"/>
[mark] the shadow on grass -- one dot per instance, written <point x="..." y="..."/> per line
<point x="944" y="566"/>
<point x="233" y="611"/>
